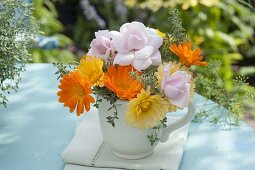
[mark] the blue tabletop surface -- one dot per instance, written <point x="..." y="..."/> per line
<point x="35" y="128"/>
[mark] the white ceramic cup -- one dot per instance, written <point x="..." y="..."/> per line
<point x="128" y="142"/>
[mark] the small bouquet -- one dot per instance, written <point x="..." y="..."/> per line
<point x="141" y="65"/>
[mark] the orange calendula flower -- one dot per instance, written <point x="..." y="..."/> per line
<point x="92" y="68"/>
<point x="75" y="92"/>
<point x="187" y="56"/>
<point x="118" y="80"/>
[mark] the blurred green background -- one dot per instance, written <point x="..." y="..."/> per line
<point x="222" y="29"/>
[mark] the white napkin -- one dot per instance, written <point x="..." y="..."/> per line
<point x="87" y="150"/>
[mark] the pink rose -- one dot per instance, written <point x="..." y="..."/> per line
<point x="176" y="86"/>
<point x="102" y="46"/>
<point x="137" y="45"/>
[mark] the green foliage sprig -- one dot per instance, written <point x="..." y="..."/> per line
<point x="153" y="138"/>
<point x="62" y="69"/>
<point x="148" y="78"/>
<point x="17" y="31"/>
<point x="177" y="32"/>
<point x="248" y="3"/>
<point x="110" y="97"/>
<point x="229" y="103"/>
<point x="175" y="35"/>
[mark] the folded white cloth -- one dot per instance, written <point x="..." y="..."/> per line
<point x="87" y="150"/>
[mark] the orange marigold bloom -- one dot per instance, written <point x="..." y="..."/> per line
<point x="118" y="80"/>
<point x="187" y="56"/>
<point x="75" y="92"/>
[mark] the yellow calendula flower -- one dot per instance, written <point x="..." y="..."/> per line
<point x="92" y="68"/>
<point x="146" y="110"/>
<point x="161" y="34"/>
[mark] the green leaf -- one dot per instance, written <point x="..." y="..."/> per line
<point x="247" y="70"/>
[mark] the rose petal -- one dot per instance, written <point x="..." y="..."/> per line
<point x="172" y="92"/>
<point x="151" y="31"/>
<point x="135" y="37"/>
<point x="156" y="58"/>
<point x="124" y="59"/>
<point x="108" y="52"/>
<point x="100" y="45"/>
<point x="103" y="33"/>
<point x="144" y="53"/>
<point x="102" y="56"/>
<point x="166" y="76"/>
<point x="125" y="27"/>
<point x="141" y="64"/>
<point x="114" y="33"/>
<point x="119" y="44"/>
<point x="182" y="100"/>
<point x="156" y="41"/>
<point x="179" y="78"/>
<point x="90" y="52"/>
<point x="135" y="42"/>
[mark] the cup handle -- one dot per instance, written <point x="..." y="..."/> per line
<point x="179" y="123"/>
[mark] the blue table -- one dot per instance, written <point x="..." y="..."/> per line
<point x="35" y="128"/>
